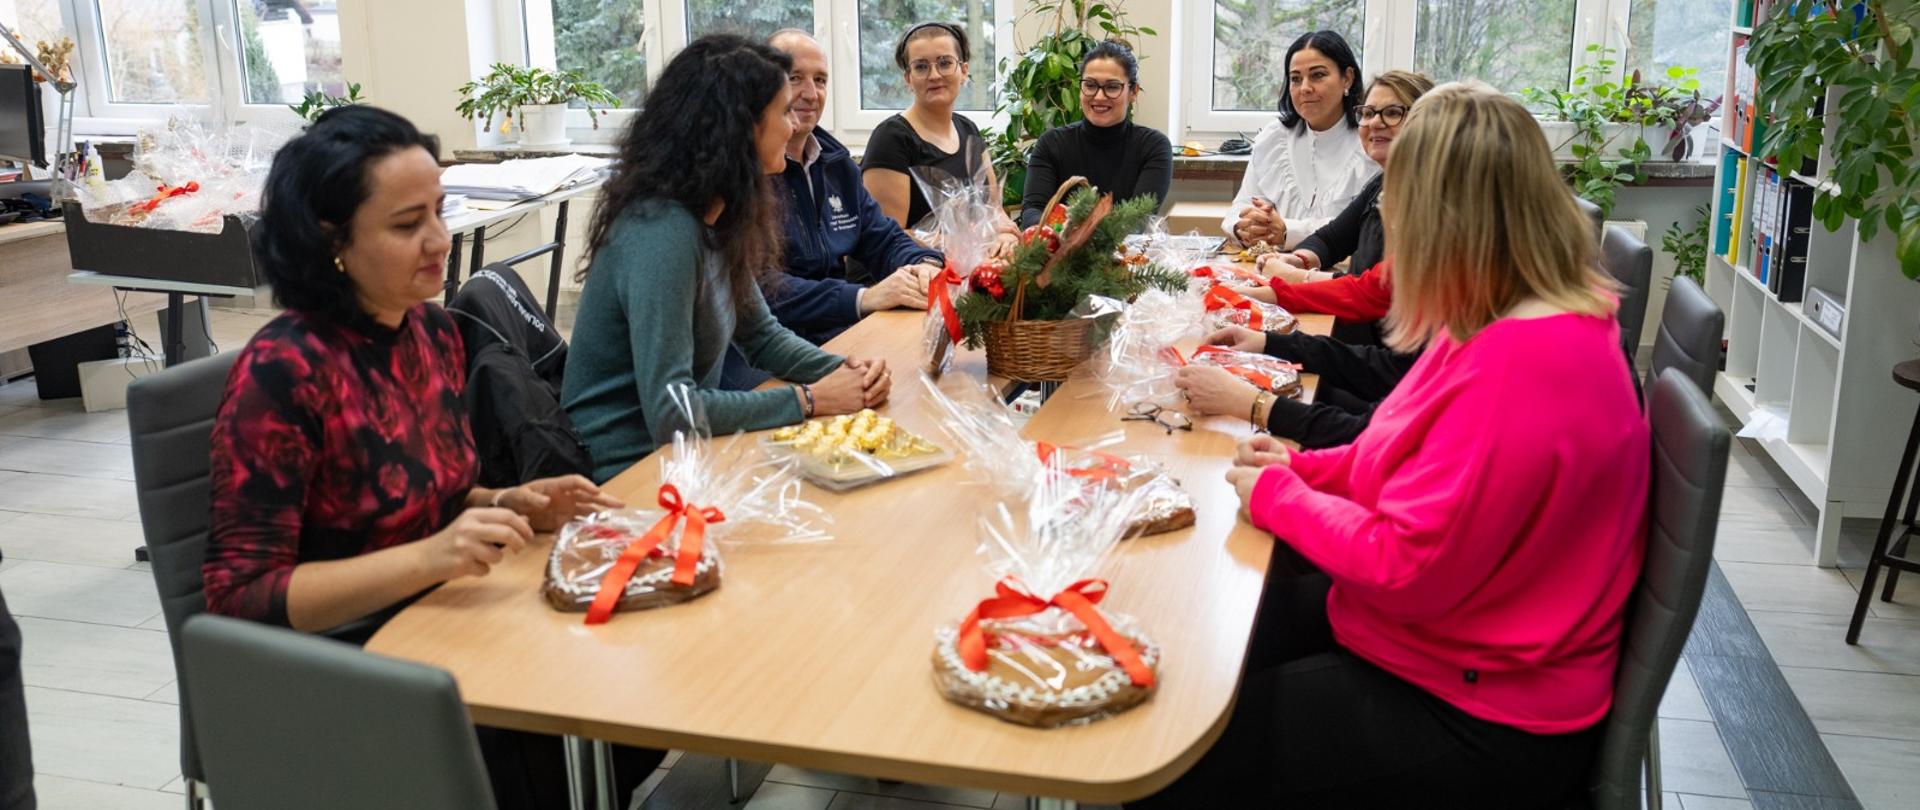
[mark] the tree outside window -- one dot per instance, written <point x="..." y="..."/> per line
<point x="1250" y="41"/>
<point x="1509" y="44"/>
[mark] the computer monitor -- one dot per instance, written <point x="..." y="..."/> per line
<point x="23" y="125"/>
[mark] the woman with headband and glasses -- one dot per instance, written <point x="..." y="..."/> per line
<point x="933" y="55"/>
<point x="1116" y="155"/>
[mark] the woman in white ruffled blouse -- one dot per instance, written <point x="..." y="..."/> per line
<point x="1307" y="165"/>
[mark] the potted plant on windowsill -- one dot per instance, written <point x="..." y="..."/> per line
<point x="1039" y="88"/>
<point x="1613" y="117"/>
<point x="537" y="96"/>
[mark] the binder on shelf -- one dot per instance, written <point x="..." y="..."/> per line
<point x="1739" y="201"/>
<point x="1797" y="233"/>
<point x="1725" y="208"/>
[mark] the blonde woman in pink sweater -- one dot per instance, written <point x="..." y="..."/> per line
<point x="1477" y="543"/>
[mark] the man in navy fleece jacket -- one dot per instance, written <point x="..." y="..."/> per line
<point x="835" y="231"/>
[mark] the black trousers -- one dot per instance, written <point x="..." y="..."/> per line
<point x="529" y="770"/>
<point x="16" y="756"/>
<point x="1317" y="726"/>
<point x="1353" y="378"/>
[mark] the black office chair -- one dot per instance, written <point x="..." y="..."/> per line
<point x="1630" y="262"/>
<point x="1691" y="326"/>
<point x="1689" y="471"/>
<point x="170" y="415"/>
<point x="292" y="721"/>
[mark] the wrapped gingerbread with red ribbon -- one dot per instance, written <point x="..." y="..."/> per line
<point x="998" y="457"/>
<point x="710" y="493"/>
<point x="1226" y="307"/>
<point x="1265" y="372"/>
<point x="1041" y="650"/>
<point x="966" y="221"/>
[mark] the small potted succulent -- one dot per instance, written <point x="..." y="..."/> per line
<point x="537" y="96"/>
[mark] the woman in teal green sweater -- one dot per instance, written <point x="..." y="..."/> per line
<point x="686" y="224"/>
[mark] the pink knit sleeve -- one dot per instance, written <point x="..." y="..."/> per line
<point x="1442" y="520"/>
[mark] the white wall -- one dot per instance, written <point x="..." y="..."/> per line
<point x="411" y="57"/>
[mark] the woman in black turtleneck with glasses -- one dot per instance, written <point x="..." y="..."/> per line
<point x="1113" y="153"/>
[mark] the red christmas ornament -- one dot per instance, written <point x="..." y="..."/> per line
<point x="1042" y="233"/>
<point x="1057" y="218"/>
<point x="986" y="278"/>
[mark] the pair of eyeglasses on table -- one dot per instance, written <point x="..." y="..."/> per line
<point x="1165" y="417"/>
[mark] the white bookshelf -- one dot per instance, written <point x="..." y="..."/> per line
<point x="1847" y="421"/>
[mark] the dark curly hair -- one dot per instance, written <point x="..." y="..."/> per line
<point x="929" y="30"/>
<point x="1333" y="46"/>
<point x="693" y="144"/>
<point x="306" y="209"/>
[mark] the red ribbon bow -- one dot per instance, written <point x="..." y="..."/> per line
<point x="1012" y="600"/>
<point x="1220" y="296"/>
<point x="942" y="298"/>
<point x="1215" y="270"/>
<point x="1260" y="379"/>
<point x="165" y="193"/>
<point x="685" y="564"/>
<point x="1109" y="466"/>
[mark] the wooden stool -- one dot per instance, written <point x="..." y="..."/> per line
<point x="1907" y="374"/>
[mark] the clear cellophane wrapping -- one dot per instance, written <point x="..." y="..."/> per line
<point x="1042" y="664"/>
<point x="965" y="226"/>
<point x="1129" y="368"/>
<point x="1225" y="306"/>
<point x="998" y="458"/>
<point x="188" y="175"/>
<point x="1267" y="373"/>
<point x="757" y="498"/>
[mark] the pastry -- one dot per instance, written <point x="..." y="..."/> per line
<point x="1254" y="251"/>
<point x="585" y="551"/>
<point x="1043" y="670"/>
<point x="855" y="447"/>
<point x="1163" y="507"/>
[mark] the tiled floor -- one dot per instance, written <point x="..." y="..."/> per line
<point x="101" y="692"/>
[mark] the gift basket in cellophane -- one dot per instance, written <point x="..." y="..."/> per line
<point x="1006" y="464"/>
<point x="710" y="493"/>
<point x="1041" y="651"/>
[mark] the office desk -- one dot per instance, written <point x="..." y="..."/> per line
<point x="819" y="655"/>
<point x="36" y="302"/>
<point x="477" y="222"/>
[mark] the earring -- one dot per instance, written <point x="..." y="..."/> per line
<point x="339" y="265"/>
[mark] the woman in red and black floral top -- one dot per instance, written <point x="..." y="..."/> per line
<point x="343" y="467"/>
<point x="343" y="463"/>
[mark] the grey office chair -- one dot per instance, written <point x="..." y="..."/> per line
<point x="1689" y="338"/>
<point x="1592" y="211"/>
<point x="171" y="415"/>
<point x="1689" y="470"/>
<point x="1630" y="262"/>
<point x="292" y="721"/>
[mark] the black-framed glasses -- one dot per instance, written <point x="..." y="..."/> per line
<point x="1392" y="114"/>
<point x="1089" y="87"/>
<point x="942" y="66"/>
<point x="1165" y="417"/>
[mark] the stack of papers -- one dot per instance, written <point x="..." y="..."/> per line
<point x="523" y="179"/>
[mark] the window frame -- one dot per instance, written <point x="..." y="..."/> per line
<point x="835" y="22"/>
<point x="1387" y="43"/>
<point x="95" y="111"/>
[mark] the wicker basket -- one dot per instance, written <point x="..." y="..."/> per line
<point x="1039" y="351"/>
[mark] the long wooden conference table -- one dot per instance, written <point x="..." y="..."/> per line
<point x="819" y="655"/>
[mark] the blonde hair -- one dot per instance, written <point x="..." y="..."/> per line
<point x="1407" y="85"/>
<point x="1478" y="218"/>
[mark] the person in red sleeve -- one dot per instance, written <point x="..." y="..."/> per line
<point x="1477" y="544"/>
<point x="1355" y="369"/>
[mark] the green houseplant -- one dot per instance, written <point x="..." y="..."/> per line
<point x="1864" y="56"/>
<point x="1039" y="87"/>
<point x="539" y="97"/>
<point x="1601" y="113"/>
<point x="1688" y="246"/>
<point x="317" y="102"/>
